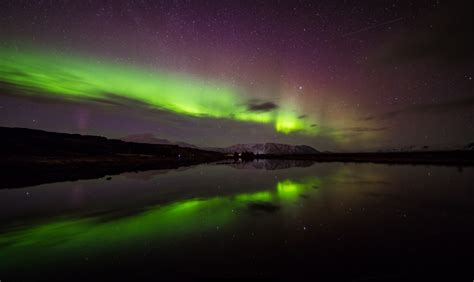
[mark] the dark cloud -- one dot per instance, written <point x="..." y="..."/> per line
<point x="435" y="108"/>
<point x="256" y="106"/>
<point x="105" y="101"/>
<point x="120" y="100"/>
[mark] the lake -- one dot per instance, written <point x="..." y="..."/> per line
<point x="264" y="219"/>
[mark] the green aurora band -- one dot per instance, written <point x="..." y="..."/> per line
<point x="73" y="78"/>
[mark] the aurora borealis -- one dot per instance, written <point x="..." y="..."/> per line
<point x="279" y="140"/>
<point x="336" y="75"/>
<point x="82" y="79"/>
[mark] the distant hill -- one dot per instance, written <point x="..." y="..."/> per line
<point x="31" y="157"/>
<point x="149" y="138"/>
<point x="268" y="148"/>
<point x="256" y="148"/>
<point x="32" y="142"/>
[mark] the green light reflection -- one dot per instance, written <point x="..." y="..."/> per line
<point x="63" y="237"/>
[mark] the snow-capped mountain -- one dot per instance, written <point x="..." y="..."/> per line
<point x="268" y="148"/>
<point x="256" y="148"/>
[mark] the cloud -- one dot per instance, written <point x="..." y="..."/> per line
<point x="256" y="106"/>
<point x="435" y="108"/>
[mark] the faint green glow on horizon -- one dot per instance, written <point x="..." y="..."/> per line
<point x="59" y="76"/>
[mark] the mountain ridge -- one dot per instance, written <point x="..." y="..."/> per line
<point x="256" y="148"/>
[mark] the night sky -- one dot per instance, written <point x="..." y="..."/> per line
<point x="336" y="75"/>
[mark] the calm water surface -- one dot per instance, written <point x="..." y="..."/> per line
<point x="260" y="219"/>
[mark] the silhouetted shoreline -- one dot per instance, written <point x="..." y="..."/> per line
<point x="32" y="157"/>
<point x="450" y="158"/>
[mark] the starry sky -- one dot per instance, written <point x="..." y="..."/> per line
<point x="336" y="75"/>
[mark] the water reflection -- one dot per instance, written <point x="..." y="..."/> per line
<point x="297" y="211"/>
<point x="270" y="164"/>
<point x="64" y="235"/>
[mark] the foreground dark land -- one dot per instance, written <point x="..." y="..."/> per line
<point x="32" y="157"/>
